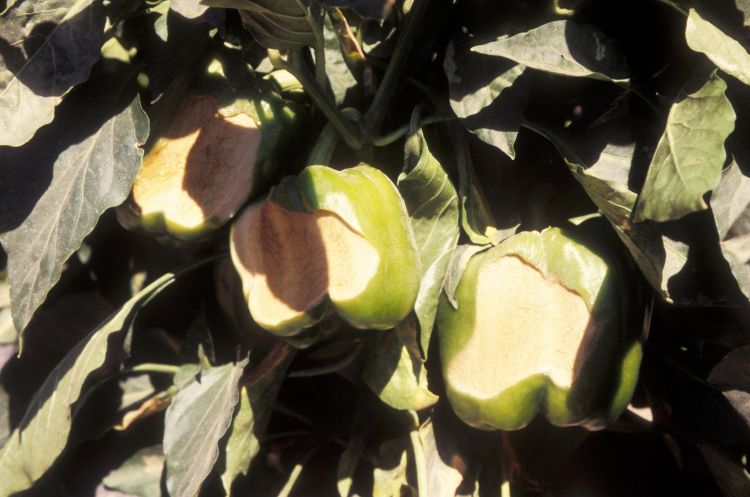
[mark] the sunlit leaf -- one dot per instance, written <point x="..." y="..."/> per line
<point x="432" y="203"/>
<point x="688" y="159"/>
<point x="566" y="48"/>
<point x="195" y="421"/>
<point x="724" y="51"/>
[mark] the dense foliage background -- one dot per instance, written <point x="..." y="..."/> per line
<point x="128" y="361"/>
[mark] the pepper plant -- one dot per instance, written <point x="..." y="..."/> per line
<point x="374" y="248"/>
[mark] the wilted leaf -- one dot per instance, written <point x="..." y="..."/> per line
<point x="88" y="178"/>
<point x="566" y="48"/>
<point x="140" y="475"/>
<point x="43" y="432"/>
<point x="689" y="157"/>
<point x="432" y="203"/>
<point x="396" y="377"/>
<point x="253" y="413"/>
<point x="724" y="51"/>
<point x="195" y="421"/>
<point x="46" y="48"/>
<point x="487" y="94"/>
<point x="732" y="375"/>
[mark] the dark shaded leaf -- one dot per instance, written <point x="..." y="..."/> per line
<point x="195" y="421"/>
<point x="603" y="168"/>
<point x="140" y="475"/>
<point x="374" y="9"/>
<point x="44" y="430"/>
<point x="566" y="48"/>
<point x="277" y="24"/>
<point x="432" y="203"/>
<point x="732" y="375"/>
<point x="389" y="477"/>
<point x="487" y="94"/>
<point x="732" y="478"/>
<point x="688" y="160"/>
<point x="46" y="48"/>
<point x="88" y="178"/>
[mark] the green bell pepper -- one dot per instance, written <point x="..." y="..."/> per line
<point x="327" y="241"/>
<point x="545" y="321"/>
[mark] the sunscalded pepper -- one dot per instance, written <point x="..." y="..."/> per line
<point x="219" y="150"/>
<point x="543" y="323"/>
<point x="324" y="241"/>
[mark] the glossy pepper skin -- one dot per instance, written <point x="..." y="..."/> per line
<point x="601" y="376"/>
<point x="218" y="149"/>
<point x="328" y="241"/>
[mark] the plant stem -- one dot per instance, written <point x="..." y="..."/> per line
<point x="392" y="76"/>
<point x="299" y="69"/>
<point x="323" y="150"/>
<point x="674" y="5"/>
<point x="382" y="141"/>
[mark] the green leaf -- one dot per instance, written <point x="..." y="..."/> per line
<point x="728" y="202"/>
<point x="195" y="421"/>
<point x="190" y="9"/>
<point x="689" y="157"/>
<point x="257" y="400"/>
<point x="48" y="47"/>
<point x="602" y="168"/>
<point x="565" y="48"/>
<point x="487" y="95"/>
<point x="43" y="432"/>
<point x="88" y="178"/>
<point x="140" y="475"/>
<point x="727" y="53"/>
<point x="432" y="203"/>
<point x="396" y="377"/>
<point x="277" y="24"/>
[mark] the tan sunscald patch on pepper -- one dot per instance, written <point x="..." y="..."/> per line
<point x="202" y="169"/>
<point x="525" y="324"/>
<point x="291" y="260"/>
